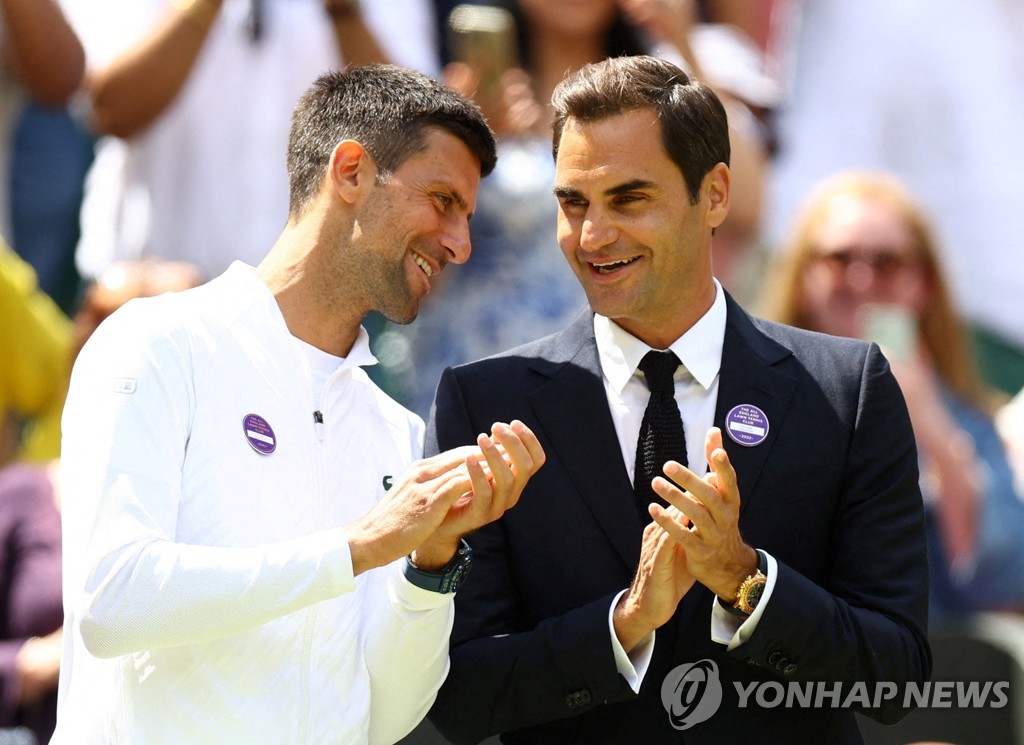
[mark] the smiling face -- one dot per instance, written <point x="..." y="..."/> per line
<point x="628" y="229"/>
<point x="411" y="225"/>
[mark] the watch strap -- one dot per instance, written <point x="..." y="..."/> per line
<point x="446" y="581"/>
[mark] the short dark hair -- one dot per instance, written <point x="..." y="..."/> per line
<point x="694" y="126"/>
<point x="388" y="110"/>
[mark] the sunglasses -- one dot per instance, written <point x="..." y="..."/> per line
<point x="884" y="263"/>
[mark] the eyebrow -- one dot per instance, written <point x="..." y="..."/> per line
<point x="461" y="201"/>
<point x="634" y="185"/>
<point x="567" y="192"/>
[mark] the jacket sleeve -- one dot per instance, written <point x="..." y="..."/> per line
<point x="504" y="674"/>
<point x="128" y="584"/>
<point x="868" y="623"/>
<point x="405" y="644"/>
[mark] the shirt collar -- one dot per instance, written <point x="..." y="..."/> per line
<point x="699" y="349"/>
<point x="358" y="356"/>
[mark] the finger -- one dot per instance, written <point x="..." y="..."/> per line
<point x="530" y="442"/>
<point x="698" y="487"/>
<point x="679" y="533"/>
<point x="522" y="464"/>
<point x="465" y="495"/>
<point x="430" y="468"/>
<point x="499" y="462"/>
<point x="649" y="544"/>
<point x="519" y="459"/>
<point x="449" y="486"/>
<point x="664" y="548"/>
<point x="684" y="501"/>
<point x="725" y="475"/>
<point x="678" y="515"/>
<point x="712" y="442"/>
<point x="430" y="503"/>
<point x="504" y="487"/>
<point x="461" y="77"/>
<point x="682" y="476"/>
<point x="524" y="450"/>
<point x="670" y="513"/>
<point x="482" y="492"/>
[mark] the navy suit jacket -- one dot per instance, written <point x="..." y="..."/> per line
<point x="832" y="494"/>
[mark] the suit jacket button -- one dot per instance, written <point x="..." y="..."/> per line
<point x="789" y="669"/>
<point x="774" y="657"/>
<point x="579" y="698"/>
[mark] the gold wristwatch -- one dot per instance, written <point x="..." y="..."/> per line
<point x="750" y="593"/>
<point x="751" y="589"/>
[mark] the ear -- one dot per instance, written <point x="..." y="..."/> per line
<point x="716" y="190"/>
<point x="350" y="170"/>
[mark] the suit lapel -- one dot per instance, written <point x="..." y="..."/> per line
<point x="749" y="376"/>
<point x="572" y="407"/>
<point x="573" y="410"/>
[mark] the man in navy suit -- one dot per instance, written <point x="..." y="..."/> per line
<point x="788" y="558"/>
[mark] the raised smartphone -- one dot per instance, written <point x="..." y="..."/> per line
<point x="892" y="327"/>
<point x="483" y="37"/>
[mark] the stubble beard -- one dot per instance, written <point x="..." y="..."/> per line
<point x="396" y="300"/>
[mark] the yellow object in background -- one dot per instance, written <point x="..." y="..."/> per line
<point x="35" y="358"/>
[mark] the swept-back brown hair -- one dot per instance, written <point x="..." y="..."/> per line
<point x="942" y="332"/>
<point x="694" y="125"/>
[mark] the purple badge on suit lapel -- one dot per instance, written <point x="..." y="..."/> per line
<point x="259" y="434"/>
<point x="746" y="425"/>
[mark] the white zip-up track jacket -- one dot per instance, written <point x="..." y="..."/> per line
<point x="208" y="587"/>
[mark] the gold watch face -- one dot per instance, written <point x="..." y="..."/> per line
<point x="750" y="592"/>
<point x="754" y="594"/>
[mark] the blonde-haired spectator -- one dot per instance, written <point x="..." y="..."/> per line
<point x="862" y="261"/>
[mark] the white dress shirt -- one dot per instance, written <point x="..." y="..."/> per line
<point x="696" y="391"/>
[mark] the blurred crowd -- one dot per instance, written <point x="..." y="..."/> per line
<point x="877" y="150"/>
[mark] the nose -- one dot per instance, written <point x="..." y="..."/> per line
<point x="597" y="232"/>
<point x="860" y="275"/>
<point x="456" y="241"/>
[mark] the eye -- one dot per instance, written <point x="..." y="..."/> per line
<point x="624" y="200"/>
<point x="572" y="202"/>
<point x="444" y="200"/>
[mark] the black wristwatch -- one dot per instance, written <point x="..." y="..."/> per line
<point x="449" y="579"/>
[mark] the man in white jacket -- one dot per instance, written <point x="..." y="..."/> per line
<point x="248" y="554"/>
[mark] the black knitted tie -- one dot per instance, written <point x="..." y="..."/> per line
<point x="661" y="432"/>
